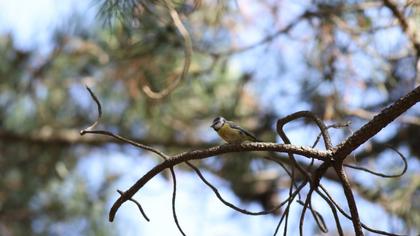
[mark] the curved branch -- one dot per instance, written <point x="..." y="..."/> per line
<point x="201" y="154"/>
<point x="314" y="185"/>
<point x="380" y="174"/>
<point x="173" y="202"/>
<point x="89" y="130"/>
<point x="334" y="211"/>
<point x="302" y="114"/>
<point x="243" y="211"/>
<point x="138" y="206"/>
<point x="317" y="217"/>
<point x="98" y="106"/>
<point x="321" y="170"/>
<point x="349" y="217"/>
<point x="187" y="53"/>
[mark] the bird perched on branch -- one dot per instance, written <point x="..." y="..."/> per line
<point x="231" y="132"/>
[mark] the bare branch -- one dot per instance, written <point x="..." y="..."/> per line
<point x="318" y="217"/>
<point x="350" y="198"/>
<point x="334" y="211"/>
<point x="404" y="159"/>
<point x="335" y="126"/>
<point x="332" y="157"/>
<point x="107" y="133"/>
<point x="205" y="153"/>
<point x="219" y="196"/>
<point x="310" y="115"/>
<point x="173" y="202"/>
<point x="367" y="115"/>
<point x="385" y="117"/>
<point x="99" y="107"/>
<point x="313" y="183"/>
<point x="137" y="204"/>
<point x="349" y="217"/>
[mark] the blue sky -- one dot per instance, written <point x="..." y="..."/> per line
<point x="199" y="214"/>
<point x="31" y="22"/>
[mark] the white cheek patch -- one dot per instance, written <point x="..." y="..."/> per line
<point x="218" y="125"/>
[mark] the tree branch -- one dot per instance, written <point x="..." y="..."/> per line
<point x="201" y="154"/>
<point x="380" y="121"/>
<point x="333" y="156"/>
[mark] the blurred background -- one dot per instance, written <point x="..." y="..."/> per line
<point x="253" y="62"/>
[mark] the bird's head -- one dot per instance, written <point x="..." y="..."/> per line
<point x="218" y="123"/>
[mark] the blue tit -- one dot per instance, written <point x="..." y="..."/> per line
<point x="231" y="132"/>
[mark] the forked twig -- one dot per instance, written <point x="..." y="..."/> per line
<point x="317" y="216"/>
<point x="137" y="204"/>
<point x="246" y="212"/>
<point x="328" y="145"/>
<point x="349" y="217"/>
<point x="89" y="130"/>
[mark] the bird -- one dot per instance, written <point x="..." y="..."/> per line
<point x="231" y="132"/>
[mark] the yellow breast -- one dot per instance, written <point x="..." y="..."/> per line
<point x="230" y="135"/>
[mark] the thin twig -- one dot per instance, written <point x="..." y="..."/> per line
<point x="137" y="204"/>
<point x="126" y="140"/>
<point x="317" y="216"/>
<point x="173" y="202"/>
<point x="334" y="211"/>
<point x="116" y="136"/>
<point x="284" y="168"/>
<point x="404" y="159"/>
<point x="350" y="198"/>
<point x="335" y="126"/>
<point x="328" y="146"/>
<point x="99" y="108"/>
<point x="349" y="217"/>
<point x="290" y="199"/>
<point x="314" y="185"/>
<point x="219" y="196"/>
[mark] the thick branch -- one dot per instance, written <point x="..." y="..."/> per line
<point x="384" y="118"/>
